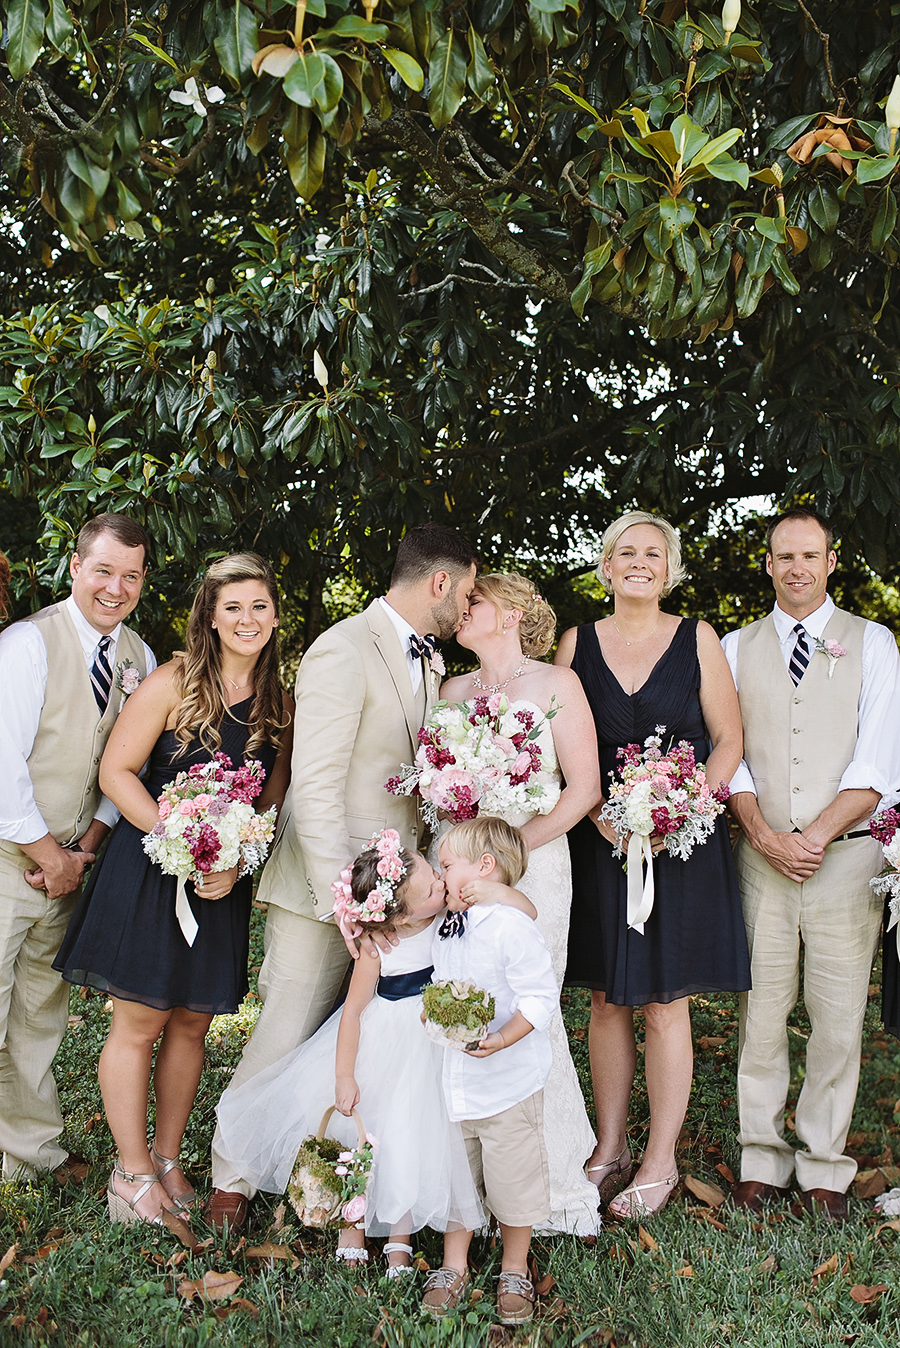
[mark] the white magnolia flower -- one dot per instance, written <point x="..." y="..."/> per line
<point x="191" y="97"/>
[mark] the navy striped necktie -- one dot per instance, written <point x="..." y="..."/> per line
<point x="800" y="655"/>
<point x="101" y="674"/>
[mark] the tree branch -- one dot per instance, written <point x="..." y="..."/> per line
<point x="486" y="224"/>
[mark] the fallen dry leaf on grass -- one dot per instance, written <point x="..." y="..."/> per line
<point x="8" y="1259"/>
<point x="712" y="1040"/>
<point x="825" y="1270"/>
<point x="211" y="1287"/>
<point x="181" y="1230"/>
<point x="239" y="1304"/>
<point x="769" y="1265"/>
<point x="869" y="1184"/>
<point x="545" y="1285"/>
<point x="888" y="1226"/>
<point x="866" y="1295"/>
<point x="709" y="1194"/>
<point x="646" y="1240"/>
<point x="269" y="1251"/>
<point x="686" y="1272"/>
<point x="726" y="1172"/>
<point x="703" y="1215"/>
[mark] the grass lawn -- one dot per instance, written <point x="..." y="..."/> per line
<point x="700" y="1276"/>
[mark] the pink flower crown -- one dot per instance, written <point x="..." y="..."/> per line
<point x="380" y="902"/>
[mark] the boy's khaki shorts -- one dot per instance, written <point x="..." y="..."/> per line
<point x="508" y="1161"/>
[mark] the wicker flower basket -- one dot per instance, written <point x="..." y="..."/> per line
<point x="315" y="1190"/>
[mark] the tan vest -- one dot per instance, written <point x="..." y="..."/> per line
<point x="64" y="763"/>
<point x="798" y="741"/>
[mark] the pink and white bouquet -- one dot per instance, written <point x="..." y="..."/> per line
<point x="480" y="757"/>
<point x="207" y="823"/>
<point x="663" y="793"/>
<point x="886" y="828"/>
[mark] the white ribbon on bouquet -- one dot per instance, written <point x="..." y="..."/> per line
<point x="186" y="920"/>
<point x="640" y="886"/>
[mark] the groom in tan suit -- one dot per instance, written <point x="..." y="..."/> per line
<point x="364" y="688"/>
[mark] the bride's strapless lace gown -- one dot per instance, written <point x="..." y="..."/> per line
<point x="567" y="1130"/>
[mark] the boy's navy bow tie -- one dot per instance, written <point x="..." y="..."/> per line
<point x="454" y="924"/>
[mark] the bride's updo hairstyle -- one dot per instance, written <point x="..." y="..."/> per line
<point x="675" y="571"/>
<point x="198" y="677"/>
<point x="506" y="590"/>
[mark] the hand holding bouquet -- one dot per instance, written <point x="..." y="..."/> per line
<point x="207" y="823"/>
<point x="661" y="794"/>
<point x="480" y="759"/>
<point x="457" y="1013"/>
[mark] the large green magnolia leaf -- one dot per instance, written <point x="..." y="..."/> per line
<point x="446" y="78"/>
<point x="235" y="40"/>
<point x="407" y="67"/>
<point x="25" y="26"/>
<point x="306" y="161"/>
<point x="302" y="81"/>
<point x="59" y="23"/>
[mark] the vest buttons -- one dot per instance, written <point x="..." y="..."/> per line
<point x="796" y="790"/>
<point x="795" y="760"/>
<point x="797" y="701"/>
<point x="96" y="760"/>
<point x="796" y="730"/>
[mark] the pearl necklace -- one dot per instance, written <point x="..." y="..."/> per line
<point x="237" y="686"/>
<point x="498" y="687"/>
<point x="634" y="639"/>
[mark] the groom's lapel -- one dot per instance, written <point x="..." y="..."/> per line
<point x="387" y="643"/>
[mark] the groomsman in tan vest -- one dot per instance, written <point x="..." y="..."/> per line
<point x="364" y="688"/>
<point x="821" y="714"/>
<point x="58" y="701"/>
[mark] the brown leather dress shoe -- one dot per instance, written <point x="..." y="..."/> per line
<point x="827" y="1203"/>
<point x="224" y="1206"/>
<point x="753" y="1195"/>
<point x="74" y="1170"/>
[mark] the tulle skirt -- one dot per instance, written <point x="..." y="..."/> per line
<point x="420" y="1175"/>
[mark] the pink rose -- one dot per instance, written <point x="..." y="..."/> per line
<point x="505" y="744"/>
<point x="521" y="765"/>
<point x="165" y="808"/>
<point x="493" y="704"/>
<point x="354" y="1209"/>
<point x="202" y="802"/>
<point x="186" y="807"/>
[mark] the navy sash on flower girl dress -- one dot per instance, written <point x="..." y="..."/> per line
<point x="394" y="987"/>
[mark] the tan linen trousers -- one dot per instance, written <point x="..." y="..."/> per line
<point x="34" y="1011"/>
<point x="837" y="917"/>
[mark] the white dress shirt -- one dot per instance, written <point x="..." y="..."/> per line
<point x="876" y="762"/>
<point x="23" y="683"/>
<point x="502" y="952"/>
<point x="404" y="632"/>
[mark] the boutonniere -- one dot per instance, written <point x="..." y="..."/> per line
<point x="128" y="678"/>
<point x="833" y="649"/>
<point x="436" y="664"/>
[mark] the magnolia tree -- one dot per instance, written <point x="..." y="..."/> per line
<point x="300" y="274"/>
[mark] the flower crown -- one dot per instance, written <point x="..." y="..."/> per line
<point x="381" y="901"/>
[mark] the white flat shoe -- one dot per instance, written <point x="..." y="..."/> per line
<point x="398" y="1270"/>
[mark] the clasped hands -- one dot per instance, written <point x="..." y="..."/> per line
<point x="657" y="841"/>
<point x="793" y="854"/>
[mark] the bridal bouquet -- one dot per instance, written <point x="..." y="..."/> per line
<point x="480" y="758"/>
<point x="457" y="1013"/>
<point x="662" y="793"/>
<point x="207" y="823"/>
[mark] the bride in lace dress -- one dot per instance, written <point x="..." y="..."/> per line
<point x="509" y="627"/>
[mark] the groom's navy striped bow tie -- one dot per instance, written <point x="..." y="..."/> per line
<point x="454" y="924"/>
<point x="422" y="647"/>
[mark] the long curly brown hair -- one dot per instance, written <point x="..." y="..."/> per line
<point x="4" y="587"/>
<point x="198" y="678"/>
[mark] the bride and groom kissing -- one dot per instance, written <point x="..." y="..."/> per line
<point x="363" y="691"/>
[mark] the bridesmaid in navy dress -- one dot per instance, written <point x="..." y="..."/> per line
<point x="222" y="694"/>
<point x="642" y="668"/>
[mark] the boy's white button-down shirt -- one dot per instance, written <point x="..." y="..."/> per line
<point x="501" y="951"/>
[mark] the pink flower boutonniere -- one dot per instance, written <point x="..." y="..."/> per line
<point x="436" y="665"/>
<point x="833" y="649"/>
<point x="128" y="678"/>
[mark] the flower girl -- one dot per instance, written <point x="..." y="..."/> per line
<point x="374" y="1053"/>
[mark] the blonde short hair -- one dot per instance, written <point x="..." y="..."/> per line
<point x="506" y="590"/>
<point x="472" y="838"/>
<point x="676" y="572"/>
